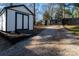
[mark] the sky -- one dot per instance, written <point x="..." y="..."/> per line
<point x="40" y="9"/>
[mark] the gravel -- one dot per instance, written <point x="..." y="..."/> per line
<point x="50" y="42"/>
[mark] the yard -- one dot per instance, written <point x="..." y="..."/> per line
<point x="73" y="28"/>
<point x="39" y="36"/>
<point x="53" y="41"/>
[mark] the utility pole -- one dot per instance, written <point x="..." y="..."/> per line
<point x="34" y="14"/>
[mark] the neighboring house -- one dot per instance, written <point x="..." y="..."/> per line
<point x="55" y="22"/>
<point x="71" y="21"/>
<point x="15" y="17"/>
<point x="50" y="22"/>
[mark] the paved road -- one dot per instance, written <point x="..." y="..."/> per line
<point x="55" y="40"/>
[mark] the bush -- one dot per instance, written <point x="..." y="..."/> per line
<point x="39" y="23"/>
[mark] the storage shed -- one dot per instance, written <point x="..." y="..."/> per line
<point x="16" y="17"/>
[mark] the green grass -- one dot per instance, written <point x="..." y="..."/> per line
<point x="73" y="28"/>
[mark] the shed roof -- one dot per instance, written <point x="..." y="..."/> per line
<point x="16" y="6"/>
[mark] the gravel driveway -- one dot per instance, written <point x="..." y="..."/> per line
<point x="54" y="41"/>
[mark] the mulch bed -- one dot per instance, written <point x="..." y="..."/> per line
<point x="13" y="38"/>
<point x="16" y="37"/>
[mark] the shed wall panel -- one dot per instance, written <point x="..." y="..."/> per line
<point x="10" y="20"/>
<point x="30" y="22"/>
<point x="19" y="21"/>
<point x="3" y="22"/>
<point x="25" y="22"/>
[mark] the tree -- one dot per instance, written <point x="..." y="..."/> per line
<point x="67" y="11"/>
<point x="50" y="9"/>
<point x="46" y="15"/>
<point x="77" y="9"/>
<point x="59" y="13"/>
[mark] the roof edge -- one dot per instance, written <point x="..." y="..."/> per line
<point x="18" y="6"/>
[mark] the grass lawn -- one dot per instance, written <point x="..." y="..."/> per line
<point x="73" y="28"/>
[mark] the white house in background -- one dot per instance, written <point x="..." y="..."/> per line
<point x="15" y="17"/>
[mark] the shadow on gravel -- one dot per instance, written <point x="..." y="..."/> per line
<point x="37" y="51"/>
<point x="53" y="35"/>
<point x="48" y="35"/>
<point x="45" y="51"/>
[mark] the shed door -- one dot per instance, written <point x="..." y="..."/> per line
<point x="26" y="22"/>
<point x="19" y="21"/>
<point x="22" y="21"/>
